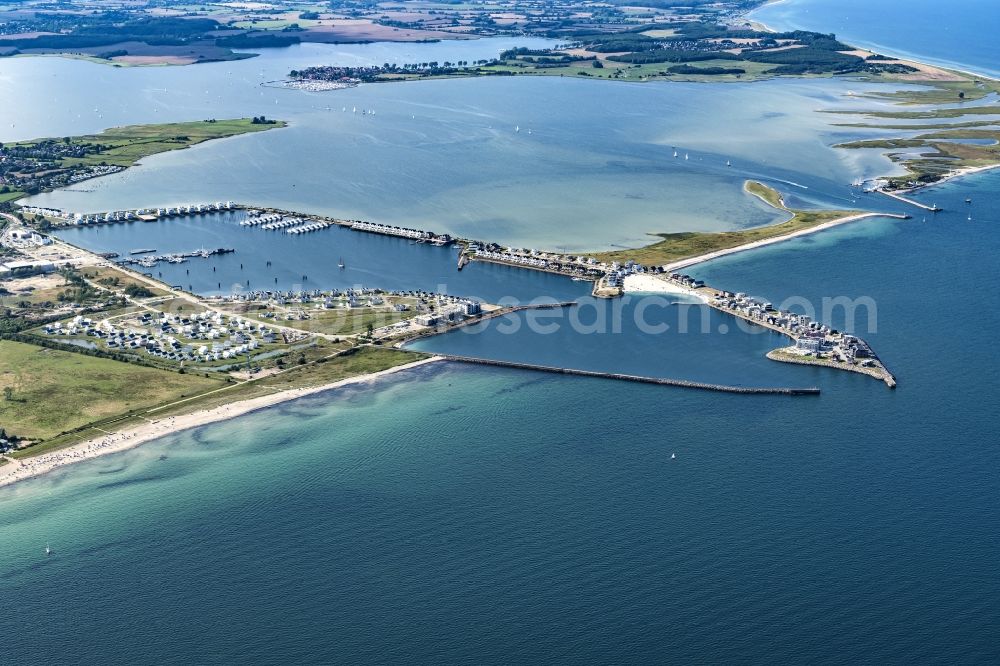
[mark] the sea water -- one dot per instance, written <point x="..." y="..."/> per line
<point x="467" y="514"/>
<point x="954" y="34"/>
<point x="482" y="515"/>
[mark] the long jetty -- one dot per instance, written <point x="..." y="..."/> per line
<point x="932" y="208"/>
<point x="662" y="381"/>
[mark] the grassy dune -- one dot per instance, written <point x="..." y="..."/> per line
<point x="677" y="246"/>
<point x="365" y="360"/>
<point x="56" y="391"/>
<point x="124" y="146"/>
<point x="938" y="152"/>
<point x="161" y="399"/>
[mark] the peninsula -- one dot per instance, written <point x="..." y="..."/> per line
<point x="679" y="250"/>
<point x="39" y="165"/>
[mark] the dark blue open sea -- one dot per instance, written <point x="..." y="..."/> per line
<point x="459" y="514"/>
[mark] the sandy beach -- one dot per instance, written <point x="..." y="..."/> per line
<point x="691" y="261"/>
<point x="646" y="283"/>
<point x="957" y="173"/>
<point x="19" y="469"/>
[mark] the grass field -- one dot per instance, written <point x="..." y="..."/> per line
<point x="938" y="152"/>
<point x="768" y="195"/>
<point x="620" y="71"/>
<point x="117" y="279"/>
<point x="124" y="146"/>
<point x="932" y="114"/>
<point x="214" y="393"/>
<point x="127" y="145"/>
<point x="677" y="246"/>
<point x="10" y="196"/>
<point x="57" y="391"/>
<point x="940" y="92"/>
<point x="365" y="361"/>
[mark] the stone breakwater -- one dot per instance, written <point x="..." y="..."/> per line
<point x="880" y="373"/>
<point x="662" y="381"/>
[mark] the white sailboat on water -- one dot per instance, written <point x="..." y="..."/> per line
<point x="340" y="264"/>
<point x="48" y="551"/>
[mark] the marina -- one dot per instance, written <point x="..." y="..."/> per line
<point x="172" y="258"/>
<point x="814" y="343"/>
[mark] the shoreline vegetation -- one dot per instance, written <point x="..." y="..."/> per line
<point x="158" y="423"/>
<point x="41" y="165"/>
<point x="684" y="249"/>
<point x="683" y="51"/>
<point x="707" y="51"/>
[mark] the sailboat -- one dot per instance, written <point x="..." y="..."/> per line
<point x="517" y="128"/>
<point x="48" y="551"/>
<point x="728" y="163"/>
<point x="685" y="156"/>
<point x="675" y="153"/>
<point x="673" y="456"/>
<point x="341" y="264"/>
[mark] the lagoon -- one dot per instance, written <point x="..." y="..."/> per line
<point x="596" y="170"/>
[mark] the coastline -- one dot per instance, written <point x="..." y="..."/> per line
<point x="691" y="261"/>
<point x="646" y="283"/>
<point x="880" y="48"/>
<point x="951" y="175"/>
<point x="19" y="469"/>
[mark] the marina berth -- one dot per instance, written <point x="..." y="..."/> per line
<point x="307" y="228"/>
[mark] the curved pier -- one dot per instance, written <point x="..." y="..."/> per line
<point x="722" y="388"/>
